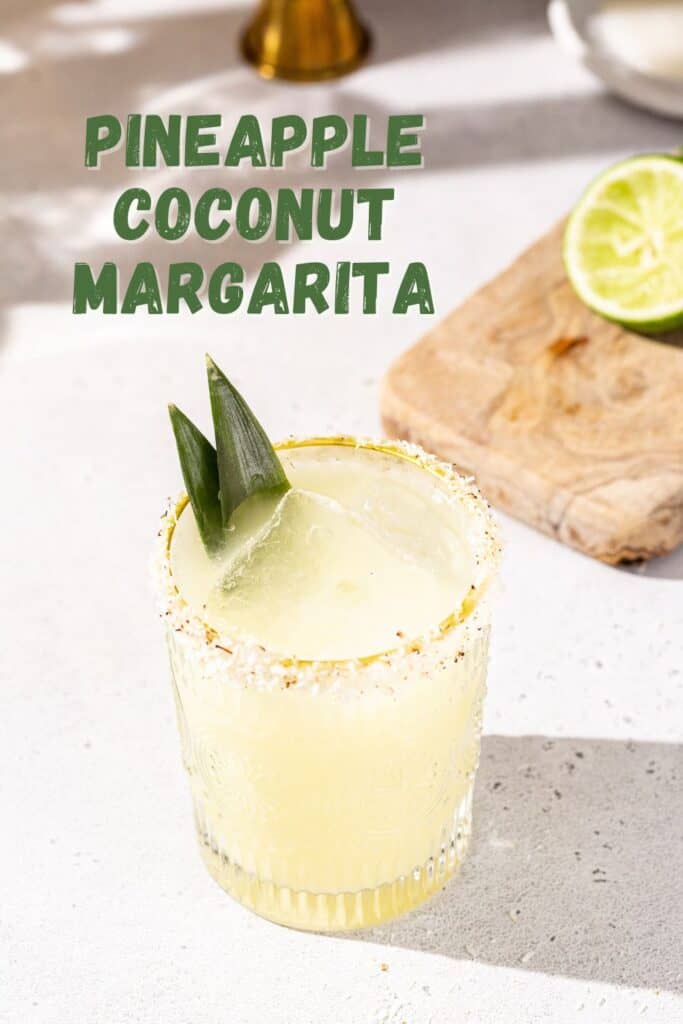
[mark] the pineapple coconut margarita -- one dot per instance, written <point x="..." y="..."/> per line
<point x="326" y="613"/>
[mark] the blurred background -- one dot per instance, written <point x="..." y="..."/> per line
<point x="498" y="94"/>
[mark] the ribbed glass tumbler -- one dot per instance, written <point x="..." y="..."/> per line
<point x="335" y="795"/>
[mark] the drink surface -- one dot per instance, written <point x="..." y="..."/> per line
<point x="360" y="556"/>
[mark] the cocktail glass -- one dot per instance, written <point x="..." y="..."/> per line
<point x="336" y="794"/>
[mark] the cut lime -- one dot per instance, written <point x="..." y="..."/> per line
<point x="623" y="245"/>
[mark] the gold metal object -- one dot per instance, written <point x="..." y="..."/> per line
<point x="305" y="40"/>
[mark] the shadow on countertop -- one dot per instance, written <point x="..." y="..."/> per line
<point x="663" y="567"/>
<point x="572" y="870"/>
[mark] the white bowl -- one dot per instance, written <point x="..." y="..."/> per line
<point x="572" y="23"/>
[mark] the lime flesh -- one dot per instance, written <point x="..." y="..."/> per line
<point x="623" y="244"/>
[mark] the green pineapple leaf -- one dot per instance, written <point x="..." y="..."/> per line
<point x="247" y="462"/>
<point x="199" y="466"/>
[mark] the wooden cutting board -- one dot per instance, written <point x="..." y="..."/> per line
<point x="568" y="422"/>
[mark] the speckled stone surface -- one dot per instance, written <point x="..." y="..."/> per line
<point x="569" y="907"/>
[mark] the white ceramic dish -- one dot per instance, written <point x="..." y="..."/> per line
<point x="574" y="25"/>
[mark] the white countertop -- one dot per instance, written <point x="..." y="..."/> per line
<point x="570" y="906"/>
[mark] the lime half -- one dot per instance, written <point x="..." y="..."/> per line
<point x="623" y="244"/>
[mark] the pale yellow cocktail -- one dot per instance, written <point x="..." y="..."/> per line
<point x="329" y="671"/>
